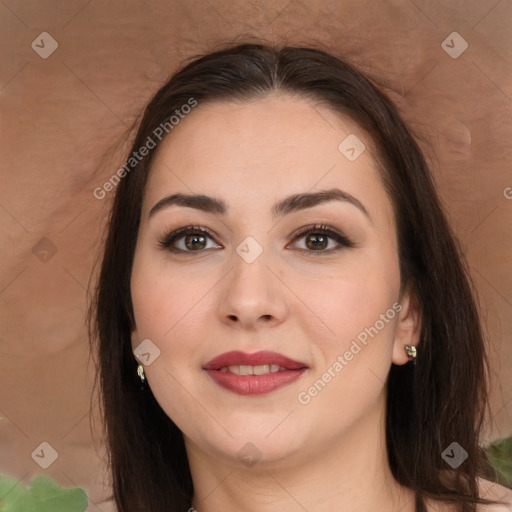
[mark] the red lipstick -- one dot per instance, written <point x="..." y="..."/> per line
<point x="273" y="371"/>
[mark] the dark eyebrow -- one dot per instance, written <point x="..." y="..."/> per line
<point x="287" y="205"/>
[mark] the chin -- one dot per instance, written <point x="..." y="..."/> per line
<point x="252" y="445"/>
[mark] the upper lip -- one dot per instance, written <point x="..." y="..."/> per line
<point x="255" y="359"/>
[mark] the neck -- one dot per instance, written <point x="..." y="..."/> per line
<point x="351" y="472"/>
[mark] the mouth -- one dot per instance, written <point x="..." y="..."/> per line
<point x="260" y="369"/>
<point x="254" y="374"/>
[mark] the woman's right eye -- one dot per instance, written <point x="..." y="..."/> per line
<point x="187" y="239"/>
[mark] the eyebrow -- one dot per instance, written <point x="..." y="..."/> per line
<point x="287" y="205"/>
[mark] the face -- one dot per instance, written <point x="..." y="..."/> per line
<point x="316" y="282"/>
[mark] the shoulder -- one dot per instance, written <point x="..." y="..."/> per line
<point x="493" y="491"/>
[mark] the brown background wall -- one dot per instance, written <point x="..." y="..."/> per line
<point x="64" y="119"/>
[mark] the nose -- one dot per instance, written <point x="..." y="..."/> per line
<point x="253" y="294"/>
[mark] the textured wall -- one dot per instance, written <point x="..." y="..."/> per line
<point x="65" y="121"/>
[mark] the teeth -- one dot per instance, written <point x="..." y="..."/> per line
<point x="260" y="369"/>
<point x="246" y="370"/>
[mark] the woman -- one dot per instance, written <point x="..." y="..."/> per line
<point x="283" y="318"/>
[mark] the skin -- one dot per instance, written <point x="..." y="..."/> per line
<point x="330" y="453"/>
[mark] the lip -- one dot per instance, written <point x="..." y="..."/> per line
<point x="262" y="357"/>
<point x="254" y="384"/>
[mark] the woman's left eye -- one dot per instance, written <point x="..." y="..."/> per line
<point x="195" y="239"/>
<point x="317" y="239"/>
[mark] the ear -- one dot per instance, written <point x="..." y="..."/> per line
<point x="408" y="328"/>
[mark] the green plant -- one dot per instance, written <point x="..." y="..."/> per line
<point x="499" y="453"/>
<point x="43" y="495"/>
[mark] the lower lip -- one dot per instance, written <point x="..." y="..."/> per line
<point x="254" y="384"/>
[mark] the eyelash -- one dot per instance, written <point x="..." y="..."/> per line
<point x="166" y="241"/>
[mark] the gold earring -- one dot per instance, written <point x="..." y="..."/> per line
<point x="411" y="352"/>
<point x="140" y="373"/>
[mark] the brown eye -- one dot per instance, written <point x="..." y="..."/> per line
<point x="195" y="239"/>
<point x="194" y="242"/>
<point x="317" y="240"/>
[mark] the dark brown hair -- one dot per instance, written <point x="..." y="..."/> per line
<point x="439" y="401"/>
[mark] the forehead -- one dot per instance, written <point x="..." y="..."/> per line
<point x="269" y="146"/>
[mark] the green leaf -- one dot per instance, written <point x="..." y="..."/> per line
<point x="43" y="495"/>
<point x="499" y="453"/>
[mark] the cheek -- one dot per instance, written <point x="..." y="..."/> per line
<point x="168" y="307"/>
<point x="163" y="298"/>
<point x="350" y="299"/>
<point x="353" y="362"/>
